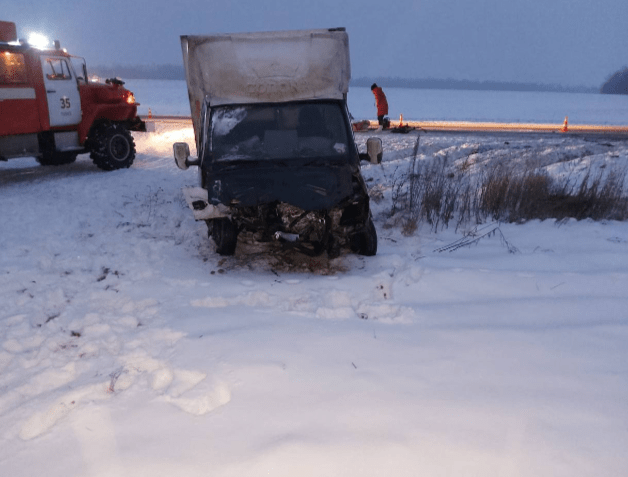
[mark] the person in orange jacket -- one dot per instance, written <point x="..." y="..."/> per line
<point x="380" y="102"/>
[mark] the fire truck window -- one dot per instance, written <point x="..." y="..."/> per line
<point x="57" y="69"/>
<point x="12" y="68"/>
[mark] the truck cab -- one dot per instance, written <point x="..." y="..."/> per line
<point x="49" y="110"/>
<point x="276" y="152"/>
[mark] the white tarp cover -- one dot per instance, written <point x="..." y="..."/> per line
<point x="264" y="67"/>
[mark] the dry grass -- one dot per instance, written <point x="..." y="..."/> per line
<point x="435" y="194"/>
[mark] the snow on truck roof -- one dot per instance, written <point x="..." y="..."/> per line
<point x="242" y="68"/>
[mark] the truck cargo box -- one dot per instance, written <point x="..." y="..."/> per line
<point x="262" y="67"/>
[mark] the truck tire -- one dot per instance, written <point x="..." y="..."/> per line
<point x="225" y="235"/>
<point x="365" y="243"/>
<point x="57" y="158"/>
<point x="112" y="147"/>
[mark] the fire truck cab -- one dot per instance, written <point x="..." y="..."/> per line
<point x="51" y="111"/>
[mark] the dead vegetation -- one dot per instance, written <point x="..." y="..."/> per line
<point x="438" y="193"/>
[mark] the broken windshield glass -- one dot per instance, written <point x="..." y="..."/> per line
<point x="284" y="131"/>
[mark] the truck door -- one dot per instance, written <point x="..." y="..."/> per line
<point x="64" y="101"/>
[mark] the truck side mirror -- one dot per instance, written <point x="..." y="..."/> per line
<point x="374" y="150"/>
<point x="182" y="154"/>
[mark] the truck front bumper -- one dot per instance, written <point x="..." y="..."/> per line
<point x="136" y="124"/>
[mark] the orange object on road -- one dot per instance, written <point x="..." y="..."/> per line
<point x="565" y="127"/>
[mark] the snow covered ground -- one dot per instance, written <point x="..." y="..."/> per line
<point x="128" y="347"/>
<point x="169" y="97"/>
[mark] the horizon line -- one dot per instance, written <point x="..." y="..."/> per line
<point x="176" y="72"/>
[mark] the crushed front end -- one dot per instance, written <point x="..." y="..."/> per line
<point x="287" y="172"/>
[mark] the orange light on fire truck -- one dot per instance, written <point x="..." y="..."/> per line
<point x="130" y="98"/>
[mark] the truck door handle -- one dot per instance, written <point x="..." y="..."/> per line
<point x="51" y="91"/>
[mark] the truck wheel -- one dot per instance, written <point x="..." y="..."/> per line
<point x="113" y="148"/>
<point x="56" y="158"/>
<point x="365" y="243"/>
<point x="225" y="235"/>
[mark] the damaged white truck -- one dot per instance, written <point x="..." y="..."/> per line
<point x="275" y="148"/>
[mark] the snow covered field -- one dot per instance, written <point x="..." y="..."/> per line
<point x="128" y="347"/>
<point x="169" y="97"/>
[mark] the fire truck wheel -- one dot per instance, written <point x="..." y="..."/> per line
<point x="57" y="158"/>
<point x="113" y="148"/>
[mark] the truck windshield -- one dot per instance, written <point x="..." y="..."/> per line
<point x="278" y="131"/>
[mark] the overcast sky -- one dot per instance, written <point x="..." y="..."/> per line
<point x="568" y="42"/>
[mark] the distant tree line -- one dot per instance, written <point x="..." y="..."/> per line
<point x="617" y="83"/>
<point x="176" y="72"/>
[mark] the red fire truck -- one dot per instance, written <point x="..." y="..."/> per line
<point x="51" y="111"/>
